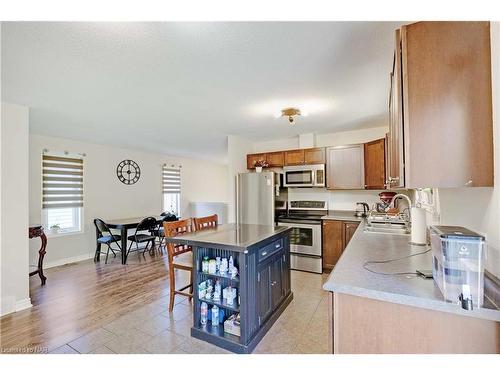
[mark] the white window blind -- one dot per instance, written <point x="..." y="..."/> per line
<point x="171" y="180"/>
<point x="62" y="182"/>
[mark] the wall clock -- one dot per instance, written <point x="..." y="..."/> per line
<point x="128" y="172"/>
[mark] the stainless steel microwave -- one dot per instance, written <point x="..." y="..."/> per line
<point x="304" y="176"/>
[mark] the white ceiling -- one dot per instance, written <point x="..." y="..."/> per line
<point x="181" y="88"/>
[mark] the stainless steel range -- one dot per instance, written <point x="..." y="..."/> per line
<point x="305" y="239"/>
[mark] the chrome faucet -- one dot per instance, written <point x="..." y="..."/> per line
<point x="399" y="195"/>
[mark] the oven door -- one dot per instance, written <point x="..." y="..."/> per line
<point x="299" y="178"/>
<point x="304" y="238"/>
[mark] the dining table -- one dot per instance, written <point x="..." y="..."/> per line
<point x="124" y="225"/>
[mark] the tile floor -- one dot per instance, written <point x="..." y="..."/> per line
<point x="301" y="329"/>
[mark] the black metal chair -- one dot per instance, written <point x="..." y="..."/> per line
<point x="104" y="236"/>
<point x="146" y="225"/>
<point x="159" y="231"/>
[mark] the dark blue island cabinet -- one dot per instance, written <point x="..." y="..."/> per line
<point x="261" y="253"/>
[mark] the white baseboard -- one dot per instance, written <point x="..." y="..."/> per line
<point x="9" y="305"/>
<point x="61" y="262"/>
<point x="23" y="304"/>
<point x="78" y="258"/>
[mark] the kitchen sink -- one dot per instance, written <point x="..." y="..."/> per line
<point x="386" y="228"/>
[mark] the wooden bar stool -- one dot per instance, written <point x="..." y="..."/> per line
<point x="207" y="222"/>
<point x="179" y="257"/>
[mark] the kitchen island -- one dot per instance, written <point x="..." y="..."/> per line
<point x="261" y="253"/>
<point x="372" y="310"/>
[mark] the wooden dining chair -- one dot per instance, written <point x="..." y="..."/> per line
<point x="179" y="257"/>
<point x="207" y="222"/>
<point x="159" y="232"/>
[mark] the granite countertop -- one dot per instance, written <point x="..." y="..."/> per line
<point x="349" y="276"/>
<point x="343" y="215"/>
<point x="235" y="237"/>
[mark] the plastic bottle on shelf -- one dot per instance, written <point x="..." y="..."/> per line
<point x="203" y="313"/>
<point x="231" y="263"/>
<point x="215" y="316"/>
<point x="217" y="264"/>
<point x="204" y="265"/>
<point x="217" y="291"/>
<point x="212" y="267"/>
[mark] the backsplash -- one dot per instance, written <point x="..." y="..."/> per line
<point x="337" y="199"/>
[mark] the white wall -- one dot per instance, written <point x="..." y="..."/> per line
<point x="351" y="137"/>
<point x="14" y="245"/>
<point x="276" y="145"/>
<point x="324" y="140"/>
<point x="237" y="150"/>
<point x="106" y="197"/>
<point x="479" y="208"/>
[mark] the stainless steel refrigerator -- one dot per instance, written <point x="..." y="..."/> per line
<point x="258" y="196"/>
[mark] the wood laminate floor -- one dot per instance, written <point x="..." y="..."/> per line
<point x="89" y="307"/>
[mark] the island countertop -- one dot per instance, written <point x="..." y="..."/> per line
<point x="350" y="277"/>
<point x="234" y="237"/>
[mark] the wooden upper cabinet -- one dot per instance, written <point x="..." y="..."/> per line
<point x="314" y="155"/>
<point x="275" y="159"/>
<point x="375" y="164"/>
<point x="345" y="167"/>
<point x="395" y="152"/>
<point x="294" y="157"/>
<point x="289" y="157"/>
<point x="252" y="158"/>
<point x="447" y="104"/>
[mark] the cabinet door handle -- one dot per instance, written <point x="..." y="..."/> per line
<point x="277" y="246"/>
<point x="264" y="253"/>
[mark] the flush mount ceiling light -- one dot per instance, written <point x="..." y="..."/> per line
<point x="290" y="112"/>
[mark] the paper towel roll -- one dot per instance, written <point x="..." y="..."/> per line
<point x="418" y="226"/>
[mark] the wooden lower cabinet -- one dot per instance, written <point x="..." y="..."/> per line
<point x="366" y="326"/>
<point x="349" y="227"/>
<point x="332" y="242"/>
<point x="336" y="236"/>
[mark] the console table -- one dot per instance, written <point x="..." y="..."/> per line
<point x="37" y="231"/>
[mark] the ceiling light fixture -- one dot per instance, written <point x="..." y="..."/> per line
<point x="291" y="112"/>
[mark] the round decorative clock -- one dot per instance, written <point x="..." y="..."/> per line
<point x="128" y="172"/>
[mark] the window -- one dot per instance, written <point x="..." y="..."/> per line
<point x="171" y="178"/>
<point x="66" y="219"/>
<point x="62" y="194"/>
